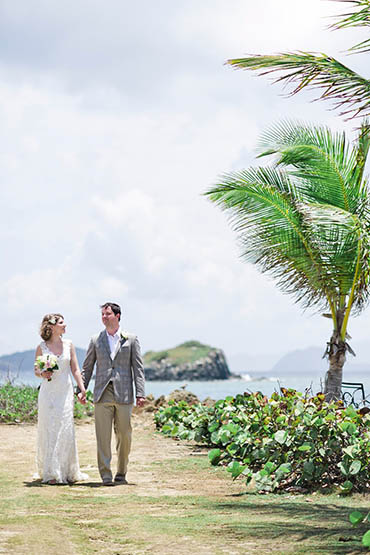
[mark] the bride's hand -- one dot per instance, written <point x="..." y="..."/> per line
<point x="82" y="397"/>
<point x="46" y="374"/>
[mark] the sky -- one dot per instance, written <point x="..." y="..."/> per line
<point x="115" y="118"/>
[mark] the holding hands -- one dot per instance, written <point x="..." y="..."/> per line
<point x="81" y="396"/>
<point x="140" y="401"/>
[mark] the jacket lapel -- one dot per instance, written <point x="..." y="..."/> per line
<point x="120" y="344"/>
<point x="104" y="340"/>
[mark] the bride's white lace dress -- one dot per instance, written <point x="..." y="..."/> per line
<point x="57" y="457"/>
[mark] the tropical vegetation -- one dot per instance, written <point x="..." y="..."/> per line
<point x="290" y="442"/>
<point x="348" y="91"/>
<point x="305" y="221"/>
<point x="18" y="404"/>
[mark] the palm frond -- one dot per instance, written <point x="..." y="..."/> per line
<point x="262" y="210"/>
<point x="362" y="148"/>
<point x="361" y="47"/>
<point x="344" y="242"/>
<point x="348" y="91"/>
<point x="336" y="234"/>
<point x="306" y="220"/>
<point x="360" y="18"/>
<point x="322" y="161"/>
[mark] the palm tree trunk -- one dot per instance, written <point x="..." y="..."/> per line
<point x="337" y="357"/>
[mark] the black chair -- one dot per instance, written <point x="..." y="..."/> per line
<point x="353" y="394"/>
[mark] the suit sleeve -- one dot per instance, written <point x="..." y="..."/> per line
<point x="137" y="366"/>
<point x="89" y="363"/>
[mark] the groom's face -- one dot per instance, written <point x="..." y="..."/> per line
<point x="110" y="320"/>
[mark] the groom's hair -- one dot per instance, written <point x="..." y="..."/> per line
<point x="116" y="309"/>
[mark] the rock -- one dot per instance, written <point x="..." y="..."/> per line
<point x="181" y="395"/>
<point x="160" y="401"/>
<point x="208" y="402"/>
<point x="211" y="367"/>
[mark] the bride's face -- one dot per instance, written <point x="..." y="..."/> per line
<point x="60" y="327"/>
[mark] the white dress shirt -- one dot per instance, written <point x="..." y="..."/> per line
<point x="113" y="341"/>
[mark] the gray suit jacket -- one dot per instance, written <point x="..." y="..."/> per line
<point x="125" y="369"/>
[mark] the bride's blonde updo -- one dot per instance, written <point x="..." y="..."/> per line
<point x="48" y="321"/>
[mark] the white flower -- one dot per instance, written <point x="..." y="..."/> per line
<point x="47" y="363"/>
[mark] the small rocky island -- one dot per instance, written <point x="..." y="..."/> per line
<point x="189" y="361"/>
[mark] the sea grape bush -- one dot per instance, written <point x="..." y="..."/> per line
<point x="286" y="442"/>
<point x="356" y="518"/>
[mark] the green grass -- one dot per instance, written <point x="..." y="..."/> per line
<point x="283" y="523"/>
<point x="205" y="513"/>
<point x="190" y="351"/>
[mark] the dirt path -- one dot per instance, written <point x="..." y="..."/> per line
<point x="174" y="503"/>
<point x="146" y="475"/>
<point x="159" y="469"/>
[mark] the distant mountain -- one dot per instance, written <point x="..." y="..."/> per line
<point x="310" y="360"/>
<point x="302" y="360"/>
<point x="22" y="362"/>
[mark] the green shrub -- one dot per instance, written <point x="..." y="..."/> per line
<point x="286" y="441"/>
<point x="356" y="518"/>
<point x="153" y="356"/>
<point x="19" y="404"/>
<point x="83" y="411"/>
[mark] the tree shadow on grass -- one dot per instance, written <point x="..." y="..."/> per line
<point x="312" y="525"/>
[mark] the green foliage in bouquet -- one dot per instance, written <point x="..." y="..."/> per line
<point x="286" y="442"/>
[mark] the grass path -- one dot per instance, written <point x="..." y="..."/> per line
<point x="175" y="503"/>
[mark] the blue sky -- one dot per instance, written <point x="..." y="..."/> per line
<point x="115" y="118"/>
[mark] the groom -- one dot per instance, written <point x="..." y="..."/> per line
<point x="118" y="366"/>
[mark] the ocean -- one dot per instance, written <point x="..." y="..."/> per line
<point x="219" y="389"/>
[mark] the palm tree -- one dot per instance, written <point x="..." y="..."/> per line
<point x="305" y="220"/>
<point x="349" y="91"/>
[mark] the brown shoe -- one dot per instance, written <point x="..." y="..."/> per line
<point x="120" y="479"/>
<point x="107" y="482"/>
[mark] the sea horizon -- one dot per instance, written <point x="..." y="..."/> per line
<point x="265" y="382"/>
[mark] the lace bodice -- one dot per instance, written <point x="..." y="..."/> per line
<point x="64" y="360"/>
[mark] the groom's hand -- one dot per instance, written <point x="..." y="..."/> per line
<point x="82" y="398"/>
<point x="140" y="401"/>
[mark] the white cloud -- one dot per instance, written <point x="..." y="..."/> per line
<point x="113" y="124"/>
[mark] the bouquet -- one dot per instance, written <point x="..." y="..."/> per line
<point x="47" y="363"/>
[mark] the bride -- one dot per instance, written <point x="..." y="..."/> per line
<point x="57" y="458"/>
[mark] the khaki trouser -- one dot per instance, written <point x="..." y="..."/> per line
<point x="108" y="412"/>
